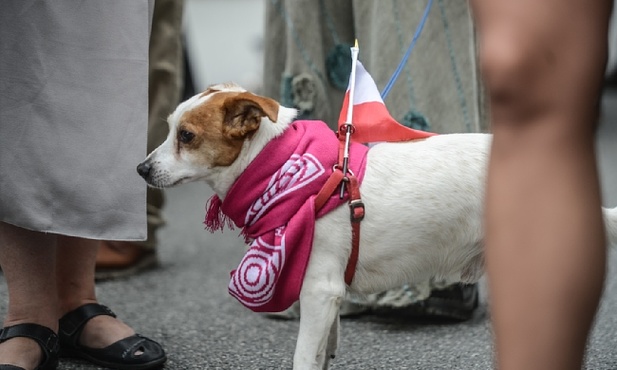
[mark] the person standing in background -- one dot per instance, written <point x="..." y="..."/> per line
<point x="73" y="116"/>
<point x="307" y="66"/>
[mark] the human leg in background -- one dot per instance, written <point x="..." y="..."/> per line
<point x="118" y="259"/>
<point x="543" y="64"/>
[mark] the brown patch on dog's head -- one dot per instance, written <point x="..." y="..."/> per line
<point x="219" y="126"/>
<point x="243" y="114"/>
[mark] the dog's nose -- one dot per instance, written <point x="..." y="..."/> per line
<point x="143" y="169"/>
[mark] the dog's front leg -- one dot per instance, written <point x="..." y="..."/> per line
<point x="318" y="335"/>
<point x="332" y="341"/>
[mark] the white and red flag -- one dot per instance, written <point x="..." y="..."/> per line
<point x="371" y="119"/>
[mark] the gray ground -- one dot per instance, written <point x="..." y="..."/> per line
<point x="185" y="306"/>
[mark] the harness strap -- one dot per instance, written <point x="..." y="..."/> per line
<point x="356" y="208"/>
<point x="326" y="191"/>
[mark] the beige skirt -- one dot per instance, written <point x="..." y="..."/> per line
<point x="73" y="116"/>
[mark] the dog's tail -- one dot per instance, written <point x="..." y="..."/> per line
<point x="610" y="221"/>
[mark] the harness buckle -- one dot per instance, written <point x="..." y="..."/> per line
<point x="356" y="208"/>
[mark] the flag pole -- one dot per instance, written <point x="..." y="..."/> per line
<point x="348" y="123"/>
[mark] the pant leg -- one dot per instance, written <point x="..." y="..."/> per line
<point x="165" y="87"/>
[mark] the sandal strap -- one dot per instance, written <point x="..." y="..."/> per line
<point x="44" y="336"/>
<point x="73" y="322"/>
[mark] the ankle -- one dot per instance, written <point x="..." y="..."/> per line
<point x="22" y="352"/>
<point x="69" y="304"/>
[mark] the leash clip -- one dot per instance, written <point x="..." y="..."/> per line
<point x="356" y="208"/>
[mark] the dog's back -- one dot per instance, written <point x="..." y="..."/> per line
<point x="423" y="204"/>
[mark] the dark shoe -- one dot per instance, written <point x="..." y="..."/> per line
<point x="121" y="259"/>
<point x="455" y="302"/>
<point x="133" y="353"/>
<point x="45" y="337"/>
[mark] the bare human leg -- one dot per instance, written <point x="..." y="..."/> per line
<point x="48" y="275"/>
<point x="543" y="64"/>
<point x="27" y="260"/>
<point x="76" y="261"/>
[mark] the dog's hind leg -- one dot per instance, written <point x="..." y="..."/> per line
<point x="318" y="336"/>
<point x="332" y="341"/>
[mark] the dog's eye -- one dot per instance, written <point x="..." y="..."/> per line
<point x="185" y="136"/>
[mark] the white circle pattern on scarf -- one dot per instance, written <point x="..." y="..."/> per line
<point x="254" y="281"/>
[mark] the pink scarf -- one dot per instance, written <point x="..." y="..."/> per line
<point x="273" y="202"/>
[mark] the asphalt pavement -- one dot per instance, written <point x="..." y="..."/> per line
<point x="185" y="306"/>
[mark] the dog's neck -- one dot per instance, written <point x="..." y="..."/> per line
<point x="221" y="179"/>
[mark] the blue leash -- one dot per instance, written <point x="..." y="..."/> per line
<point x="416" y="35"/>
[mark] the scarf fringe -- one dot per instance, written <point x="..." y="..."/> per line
<point x="245" y="235"/>
<point x="215" y="218"/>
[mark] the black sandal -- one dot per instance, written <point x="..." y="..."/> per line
<point x="44" y="337"/>
<point x="133" y="353"/>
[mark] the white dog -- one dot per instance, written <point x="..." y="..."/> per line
<point x="423" y="202"/>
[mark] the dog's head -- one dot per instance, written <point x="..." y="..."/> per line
<point x="210" y="134"/>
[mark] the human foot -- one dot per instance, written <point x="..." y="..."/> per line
<point x="103" y="330"/>
<point x="92" y="332"/>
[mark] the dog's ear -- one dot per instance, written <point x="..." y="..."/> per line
<point x="243" y="113"/>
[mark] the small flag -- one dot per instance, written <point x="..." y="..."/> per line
<point x="371" y="119"/>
